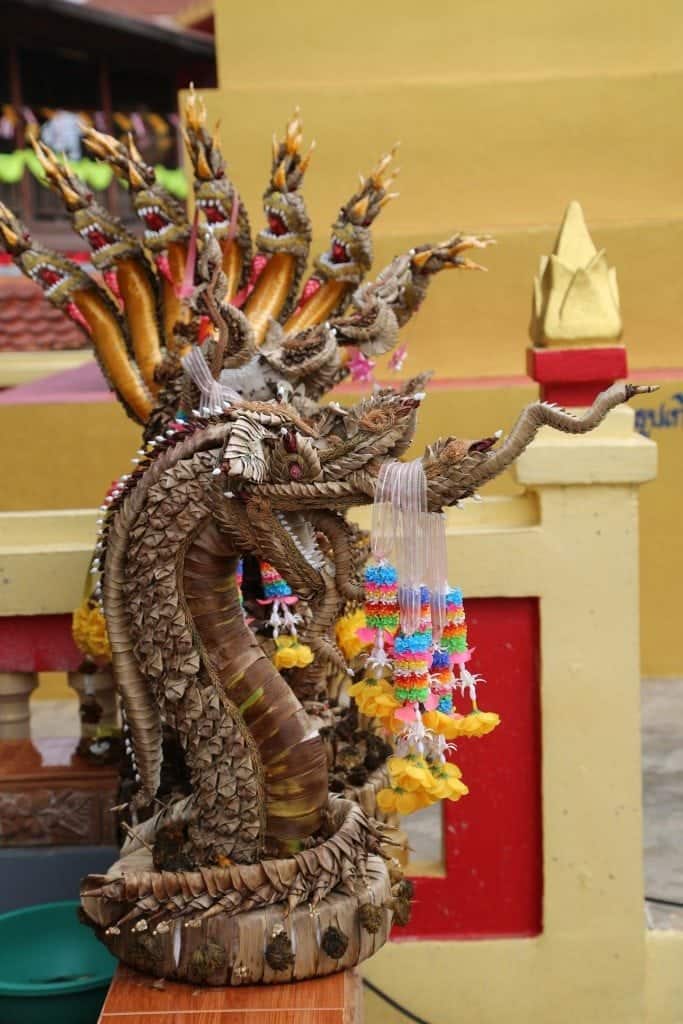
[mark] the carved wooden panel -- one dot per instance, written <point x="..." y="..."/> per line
<point x="49" y="797"/>
<point x="37" y="817"/>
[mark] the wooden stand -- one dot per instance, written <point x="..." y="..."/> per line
<point x="50" y="797"/>
<point x="140" y="999"/>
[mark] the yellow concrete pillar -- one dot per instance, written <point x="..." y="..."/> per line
<point x="579" y="555"/>
<point x="15" y="716"/>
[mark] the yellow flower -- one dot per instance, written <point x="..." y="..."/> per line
<point x="346" y="630"/>
<point x="374" y="698"/>
<point x="90" y="631"/>
<point x="290" y="653"/>
<point x="284" y="658"/>
<point x="304" y="655"/>
<point x="410" y="773"/>
<point x="400" y="801"/>
<point x="386" y="801"/>
<point x="445" y="725"/>
<point x="447" y="782"/>
<point x="478" y="723"/>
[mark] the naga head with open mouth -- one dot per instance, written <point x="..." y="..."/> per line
<point x="164" y="218"/>
<point x="215" y="195"/>
<point x="288" y="228"/>
<point x="58" y="276"/>
<point x="109" y="241"/>
<point x="278" y="471"/>
<point x="350" y="254"/>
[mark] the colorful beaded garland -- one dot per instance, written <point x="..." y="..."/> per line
<point x="454" y="637"/>
<point x="381" y="597"/>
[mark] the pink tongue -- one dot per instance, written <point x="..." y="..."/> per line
<point x="338" y="253"/>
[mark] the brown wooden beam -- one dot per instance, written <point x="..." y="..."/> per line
<point x="17" y="101"/>
<point x="106" y="104"/>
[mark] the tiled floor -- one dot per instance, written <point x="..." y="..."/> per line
<point x="662" y="709"/>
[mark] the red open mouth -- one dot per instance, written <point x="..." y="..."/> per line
<point x="154" y="219"/>
<point x="339" y="253"/>
<point x="48" y="277"/>
<point x="214" y="213"/>
<point x="97" y="238"/>
<point x="276" y="225"/>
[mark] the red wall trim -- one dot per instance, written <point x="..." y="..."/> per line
<point x="37" y="643"/>
<point x="493" y="837"/>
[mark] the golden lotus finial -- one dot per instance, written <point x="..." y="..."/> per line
<point x="576" y="297"/>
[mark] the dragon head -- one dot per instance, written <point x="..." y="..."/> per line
<point x="289" y="228"/>
<point x="350" y="254"/>
<point x="271" y="448"/>
<point x="15" y="236"/>
<point x="105" y="234"/>
<point x="276" y="469"/>
<point x="215" y="195"/>
<point x="164" y="217"/>
<point x="58" y="276"/>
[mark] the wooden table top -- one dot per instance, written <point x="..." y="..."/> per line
<point x="48" y="759"/>
<point x="139" y="999"/>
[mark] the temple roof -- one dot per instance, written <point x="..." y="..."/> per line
<point x="106" y="31"/>
<point x="29" y="323"/>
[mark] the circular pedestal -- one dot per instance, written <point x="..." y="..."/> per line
<point x="263" y="946"/>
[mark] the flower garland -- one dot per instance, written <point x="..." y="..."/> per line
<point x="419" y="637"/>
<point x="289" y="651"/>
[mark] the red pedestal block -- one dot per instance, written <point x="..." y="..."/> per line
<point x="575" y="376"/>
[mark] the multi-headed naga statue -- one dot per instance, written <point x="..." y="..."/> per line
<point x="223" y="366"/>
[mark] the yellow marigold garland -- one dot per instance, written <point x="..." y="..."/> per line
<point x="291" y="654"/>
<point x="346" y="630"/>
<point x="89" y="631"/>
<point x="375" y="698"/>
<point x="417" y="783"/>
<point x="417" y="780"/>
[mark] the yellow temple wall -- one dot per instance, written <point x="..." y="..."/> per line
<point x="505" y="112"/>
<point x="65" y="457"/>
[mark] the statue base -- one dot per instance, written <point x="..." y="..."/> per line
<point x="323" y="910"/>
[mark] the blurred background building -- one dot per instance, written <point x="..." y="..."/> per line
<point x="63" y="63"/>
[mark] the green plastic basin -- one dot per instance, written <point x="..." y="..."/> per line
<point x="52" y="968"/>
